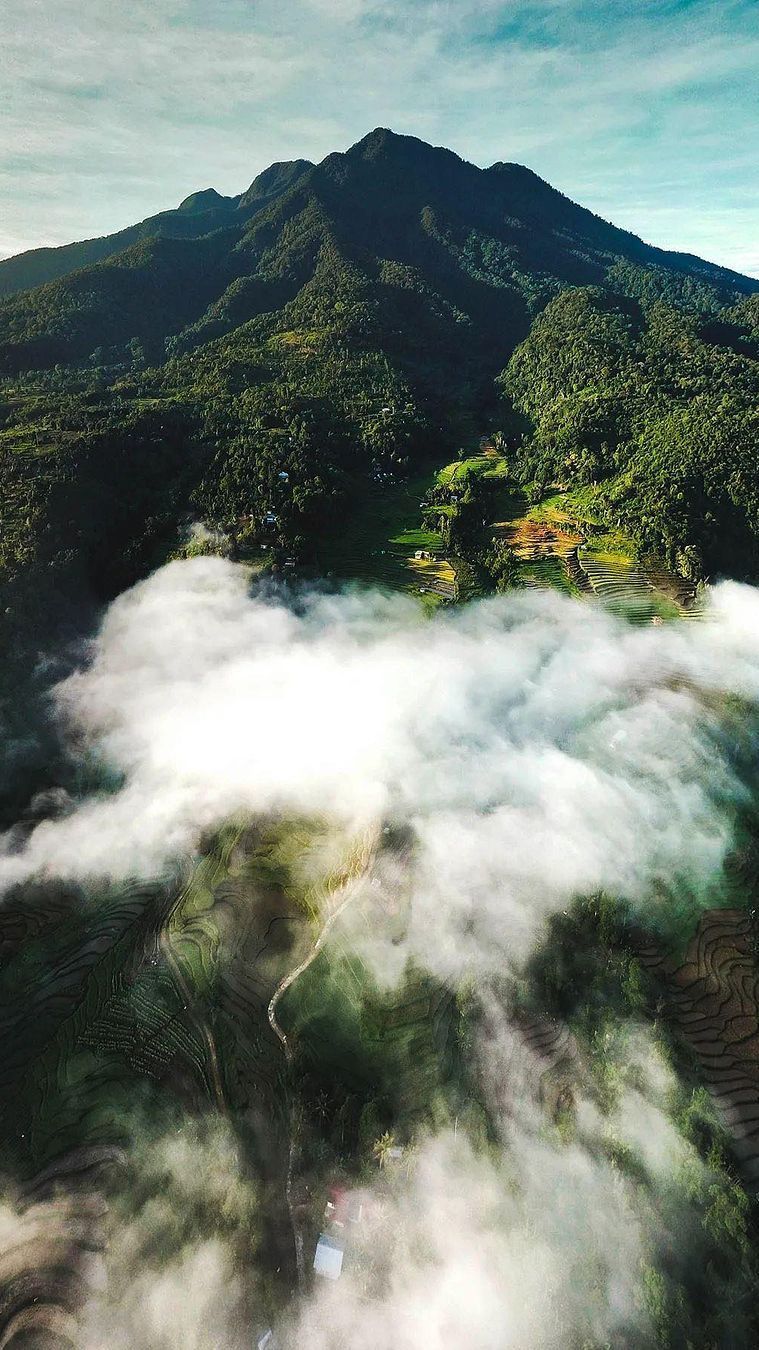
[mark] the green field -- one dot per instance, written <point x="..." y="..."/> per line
<point x="484" y="466"/>
<point x="381" y="537"/>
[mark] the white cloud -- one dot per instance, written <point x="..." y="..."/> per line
<point x="533" y="1243"/>
<point x="171" y="1277"/>
<point x="540" y="748"/>
<point x="528" y="1241"/>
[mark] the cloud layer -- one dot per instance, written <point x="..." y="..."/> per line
<point x="538" y="747"/>
<point x="528" y="1242"/>
<point x="532" y="1243"/>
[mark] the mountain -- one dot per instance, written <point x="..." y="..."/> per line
<point x="199" y="214"/>
<point x="495" y="241"/>
<point x="202" y="1073"/>
<point x="282" y="354"/>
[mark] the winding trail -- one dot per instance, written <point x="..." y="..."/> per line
<point x="293" y="975"/>
<point x="349" y="890"/>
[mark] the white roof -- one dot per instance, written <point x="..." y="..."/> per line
<point x="328" y="1258"/>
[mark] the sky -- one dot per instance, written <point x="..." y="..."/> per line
<point x="646" y="111"/>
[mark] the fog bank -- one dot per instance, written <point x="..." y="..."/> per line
<point x="538" y="746"/>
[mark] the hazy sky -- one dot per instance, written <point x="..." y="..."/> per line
<point x="645" y="110"/>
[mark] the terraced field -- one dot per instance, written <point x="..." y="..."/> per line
<point x="546" y="1054"/>
<point x="712" y="1000"/>
<point x="558" y="548"/>
<point x="542" y="548"/>
<point x="56" y="985"/>
<point x="53" y="1266"/>
<point x="155" y="1001"/>
<point x="558" y="543"/>
<point x="488" y="464"/>
<point x="642" y="592"/>
<point x="413" y="1032"/>
<point x="379" y="542"/>
<point x="80" y="1030"/>
<point x="624" y="587"/>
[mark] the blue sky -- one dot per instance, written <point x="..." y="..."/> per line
<point x="647" y="111"/>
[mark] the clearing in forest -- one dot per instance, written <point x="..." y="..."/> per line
<point x="380" y="540"/>
<point x="560" y="542"/>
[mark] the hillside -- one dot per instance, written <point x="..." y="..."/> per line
<point x="199" y="214"/>
<point x="268" y="361"/>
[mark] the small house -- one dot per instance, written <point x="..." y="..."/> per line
<point x="328" y="1257"/>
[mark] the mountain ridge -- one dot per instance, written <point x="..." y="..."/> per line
<point x="207" y="210"/>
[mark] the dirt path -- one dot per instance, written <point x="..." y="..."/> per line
<point x="293" y="975"/>
<point x="349" y="890"/>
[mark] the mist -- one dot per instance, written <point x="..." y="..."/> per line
<point x="531" y="1240"/>
<point x="539" y="748"/>
<point x="534" y="750"/>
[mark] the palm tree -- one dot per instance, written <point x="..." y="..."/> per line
<point x="382" y="1147"/>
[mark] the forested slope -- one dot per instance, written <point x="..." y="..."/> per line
<point x="660" y="407"/>
<point x="343" y="323"/>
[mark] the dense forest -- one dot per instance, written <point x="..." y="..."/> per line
<point x="659" y="406"/>
<point x="263" y="362"/>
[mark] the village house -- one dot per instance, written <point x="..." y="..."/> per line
<point x="328" y="1257"/>
<point x="340" y="1212"/>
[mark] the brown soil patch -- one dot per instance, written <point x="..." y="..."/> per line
<point x="531" y="539"/>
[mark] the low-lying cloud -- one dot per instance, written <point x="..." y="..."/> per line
<point x="532" y="1241"/>
<point x="172" y="1275"/>
<point x="528" y="1241"/>
<point x="540" y="748"/>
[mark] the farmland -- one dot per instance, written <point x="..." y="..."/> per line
<point x="561" y="542"/>
<point x="380" y="538"/>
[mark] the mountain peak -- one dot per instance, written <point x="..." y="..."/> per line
<point x="383" y="143"/>
<point x="277" y="178"/>
<point x="400" y="166"/>
<point x="378" y="141"/>
<point x="204" y="200"/>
